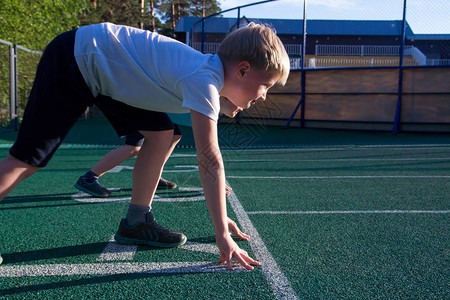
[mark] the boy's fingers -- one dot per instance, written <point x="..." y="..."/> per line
<point x="228" y="190"/>
<point x="242" y="261"/>
<point x="251" y="261"/>
<point x="235" y="229"/>
<point x="241" y="235"/>
<point x="244" y="236"/>
<point x="230" y="263"/>
<point x="242" y="258"/>
<point x="222" y="258"/>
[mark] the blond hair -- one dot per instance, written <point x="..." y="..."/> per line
<point x="260" y="46"/>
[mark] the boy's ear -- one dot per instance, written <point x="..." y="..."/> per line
<point x="242" y="68"/>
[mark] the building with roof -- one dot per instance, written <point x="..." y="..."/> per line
<point x="352" y="77"/>
<point x="382" y="38"/>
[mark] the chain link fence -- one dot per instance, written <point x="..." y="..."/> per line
<point x="377" y="65"/>
<point x="17" y="70"/>
<point x="356" y="64"/>
<point x="5" y="89"/>
<point x="342" y="33"/>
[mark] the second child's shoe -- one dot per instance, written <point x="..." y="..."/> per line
<point x="94" y="189"/>
<point x="164" y="184"/>
<point x="1" y="259"/>
<point x="148" y="233"/>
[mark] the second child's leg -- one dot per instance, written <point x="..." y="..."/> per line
<point x="88" y="183"/>
<point x="113" y="158"/>
<point x="175" y="139"/>
<point x="164" y="184"/>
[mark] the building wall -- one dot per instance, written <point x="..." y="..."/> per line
<point x="360" y="99"/>
<point x="437" y="49"/>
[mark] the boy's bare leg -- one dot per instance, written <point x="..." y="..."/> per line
<point x="149" y="165"/>
<point x="113" y="158"/>
<point x="176" y="138"/>
<point x="117" y="156"/>
<point x="12" y="172"/>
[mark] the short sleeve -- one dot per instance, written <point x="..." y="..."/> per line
<point x="200" y="94"/>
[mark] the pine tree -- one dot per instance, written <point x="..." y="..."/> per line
<point x="124" y="12"/>
<point x="172" y="11"/>
<point x="154" y="15"/>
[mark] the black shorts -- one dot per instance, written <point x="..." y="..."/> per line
<point x="137" y="139"/>
<point x="60" y="96"/>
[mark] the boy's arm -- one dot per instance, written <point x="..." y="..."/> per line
<point x="212" y="175"/>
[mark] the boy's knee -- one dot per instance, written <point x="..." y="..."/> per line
<point x="135" y="150"/>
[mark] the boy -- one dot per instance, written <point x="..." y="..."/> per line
<point x="88" y="183"/>
<point x="135" y="77"/>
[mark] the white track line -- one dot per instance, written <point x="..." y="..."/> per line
<point x="201" y="247"/>
<point x="86" y="198"/>
<point x="117" y="252"/>
<point x="277" y="280"/>
<point x="337" y="177"/>
<point x="111" y="269"/>
<point x="343" y="148"/>
<point x="331" y="212"/>
<point x="337" y="159"/>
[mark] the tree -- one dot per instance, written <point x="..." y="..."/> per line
<point x="124" y="12"/>
<point x="34" y="24"/>
<point x="154" y="15"/>
<point x="172" y="11"/>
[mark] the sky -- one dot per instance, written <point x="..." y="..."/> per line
<point x="424" y="16"/>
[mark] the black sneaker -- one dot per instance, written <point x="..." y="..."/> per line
<point x="164" y="184"/>
<point x="148" y="233"/>
<point x="95" y="189"/>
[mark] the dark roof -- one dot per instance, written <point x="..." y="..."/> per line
<point x="314" y="27"/>
<point x="430" y="37"/>
<point x="216" y="25"/>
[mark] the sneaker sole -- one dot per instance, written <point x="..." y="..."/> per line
<point x="127" y="241"/>
<point x="1" y="259"/>
<point x="90" y="192"/>
<point x="165" y="187"/>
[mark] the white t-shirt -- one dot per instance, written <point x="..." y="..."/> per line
<point x="147" y="70"/>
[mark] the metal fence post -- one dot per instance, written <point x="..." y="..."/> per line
<point x="398" y="110"/>
<point x="13" y="96"/>
<point x="303" y="81"/>
<point x="202" y="46"/>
